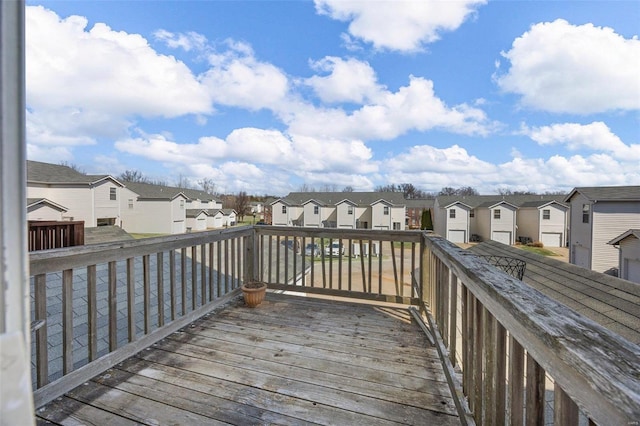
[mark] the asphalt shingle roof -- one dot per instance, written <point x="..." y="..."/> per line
<point x="332" y="198"/>
<point x="474" y="201"/>
<point x="148" y="190"/>
<point x="608" y="193"/>
<point x="56" y="173"/>
<point x="612" y="302"/>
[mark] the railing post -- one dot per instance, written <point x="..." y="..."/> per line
<point x="250" y="264"/>
<point x="425" y="271"/>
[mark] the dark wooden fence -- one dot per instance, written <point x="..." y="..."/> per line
<point x="49" y="235"/>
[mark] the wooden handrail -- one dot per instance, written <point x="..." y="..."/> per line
<point x="592" y="367"/>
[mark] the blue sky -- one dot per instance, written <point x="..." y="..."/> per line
<point x="267" y="96"/>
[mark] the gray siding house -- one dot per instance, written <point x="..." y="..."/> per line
<point x="598" y="215"/>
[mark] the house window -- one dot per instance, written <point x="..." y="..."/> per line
<point x="284" y="209"/>
<point x="546" y="214"/>
<point x="396" y="226"/>
<point x="496" y="214"/>
<point x="350" y="210"/>
<point x="386" y="210"/>
<point x="182" y="204"/>
<point x="585" y="213"/>
<point x="452" y="213"/>
<point x="316" y="209"/>
<point x="472" y="213"/>
<point x="130" y="203"/>
<point x="112" y="194"/>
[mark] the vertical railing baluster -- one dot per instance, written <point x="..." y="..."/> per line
<point x="240" y="260"/>
<point x="379" y="262"/>
<point x="471" y="351"/>
<point x="183" y="279"/>
<point x="146" y="279"/>
<point x="203" y="274"/>
<point x="501" y="374"/>
<point x="535" y="392"/>
<point x="295" y="258"/>
<point x="278" y="259"/>
<point x="286" y="260"/>
<point x="349" y="264"/>
<point x="303" y="251"/>
<point x="489" y="367"/>
<point x="331" y="263"/>
<point x="40" y="308"/>
<point x="113" y="307"/>
<point x="516" y="382"/>
<point x="232" y="261"/>
<point x="370" y="270"/>
<point x="211" y="269"/>
<point x="131" y="300"/>
<point x="477" y="362"/>
<point x="395" y="267"/>
<point x="466" y="340"/>
<point x="194" y="277"/>
<point x="444" y="295"/>
<point x="565" y="411"/>
<point x="313" y="262"/>
<point x="172" y="283"/>
<point x="324" y="271"/>
<point x="364" y="276"/>
<point x="413" y="268"/>
<point x="227" y="275"/>
<point x="160" y="286"/>
<point x="401" y="269"/>
<point x="453" y="319"/>
<point x="67" y="321"/>
<point x="92" y="313"/>
<point x="219" y="274"/>
<point x="340" y="259"/>
<point x="270" y="265"/>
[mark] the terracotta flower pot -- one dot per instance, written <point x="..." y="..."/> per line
<point x="254" y="293"/>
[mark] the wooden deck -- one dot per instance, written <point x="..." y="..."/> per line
<point x="293" y="360"/>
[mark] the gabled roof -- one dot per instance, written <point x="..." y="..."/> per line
<point x="333" y="198"/>
<point x="492" y="204"/>
<point x="196" y="194"/>
<point x="314" y="201"/>
<point x="155" y="192"/>
<point x="607" y="193"/>
<point x="227" y="212"/>
<point x="457" y="202"/>
<point x="419" y="203"/>
<point x="487" y="201"/>
<point x="193" y="213"/>
<point x="35" y="201"/>
<point x="630" y="233"/>
<point x="38" y="172"/>
<point x="541" y="203"/>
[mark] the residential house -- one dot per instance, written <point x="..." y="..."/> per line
<point x="196" y="220"/>
<point x="230" y="217"/>
<point x="94" y="199"/>
<point x="197" y="199"/>
<point x="629" y="254"/>
<point x="363" y="210"/>
<point x="153" y="209"/>
<point x="544" y="221"/>
<point x="506" y="219"/>
<point x="44" y="210"/>
<point x="598" y="215"/>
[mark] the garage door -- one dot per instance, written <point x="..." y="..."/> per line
<point x="178" y="227"/>
<point x="551" y="239"/>
<point x="456" y="235"/>
<point x="632" y="270"/>
<point x="503" y="237"/>
<point x="581" y="256"/>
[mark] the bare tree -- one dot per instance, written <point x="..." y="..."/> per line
<point x="183" y="182"/>
<point x="73" y="166"/>
<point x="208" y="185"/>
<point x="347" y="188"/>
<point x="241" y="205"/>
<point x="305" y="187"/>
<point x="133" y="176"/>
<point x="329" y="187"/>
<point x="465" y="190"/>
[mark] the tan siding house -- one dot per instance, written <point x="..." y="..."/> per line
<point x="153" y="209"/>
<point x="543" y="221"/>
<point x="44" y="210"/>
<point x="598" y="215"/>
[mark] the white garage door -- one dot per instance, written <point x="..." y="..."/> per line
<point x="178" y="227"/>
<point x="632" y="270"/>
<point x="551" y="239"/>
<point x="581" y="256"/>
<point x="456" y="235"/>
<point x="503" y="237"/>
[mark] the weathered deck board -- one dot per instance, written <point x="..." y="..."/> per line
<point x="291" y="361"/>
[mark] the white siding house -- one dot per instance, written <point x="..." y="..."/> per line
<point x="313" y="214"/>
<point x="44" y="210"/>
<point x="346" y="214"/>
<point x="94" y="199"/>
<point x="598" y="215"/>
<point x="196" y="220"/>
<point x="153" y="209"/>
<point x="629" y="255"/>
<point x="456" y="222"/>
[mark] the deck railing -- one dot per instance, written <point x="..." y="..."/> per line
<point x="104" y="303"/>
<point x="45" y="235"/>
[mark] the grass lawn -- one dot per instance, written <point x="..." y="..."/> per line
<point x="538" y="250"/>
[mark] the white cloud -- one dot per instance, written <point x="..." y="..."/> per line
<point x="49" y="154"/>
<point x="349" y="80"/>
<point x="595" y="136"/>
<point x="237" y="78"/>
<point x="103" y="70"/>
<point x="186" y="41"/>
<point x="412" y="107"/>
<point x="564" y="68"/>
<point x="404" y="26"/>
